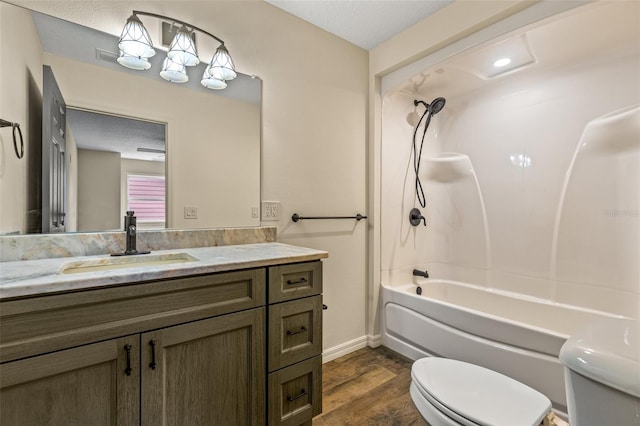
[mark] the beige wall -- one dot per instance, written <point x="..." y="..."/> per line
<point x="313" y="132"/>
<point x="71" y="157"/>
<point x="98" y="190"/>
<point x="21" y="102"/>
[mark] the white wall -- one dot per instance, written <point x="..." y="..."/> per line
<point x="452" y="25"/>
<point x="520" y="133"/>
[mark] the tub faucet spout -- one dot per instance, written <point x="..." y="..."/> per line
<point x="418" y="273"/>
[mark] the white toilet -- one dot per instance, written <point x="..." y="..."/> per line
<point x="602" y="374"/>
<point x="449" y="392"/>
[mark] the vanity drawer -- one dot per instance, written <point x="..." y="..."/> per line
<point x="295" y="393"/>
<point x="42" y="324"/>
<point x="295" y="331"/>
<point x="288" y="282"/>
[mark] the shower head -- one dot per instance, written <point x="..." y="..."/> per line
<point x="436" y="105"/>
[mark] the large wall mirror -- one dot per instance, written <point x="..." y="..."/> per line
<point x="204" y="144"/>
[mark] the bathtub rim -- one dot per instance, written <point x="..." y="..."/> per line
<point x="405" y="287"/>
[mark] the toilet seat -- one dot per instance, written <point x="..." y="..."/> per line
<point x="476" y="396"/>
<point x="434" y="412"/>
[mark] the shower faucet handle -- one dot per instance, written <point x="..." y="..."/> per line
<point x="415" y="217"/>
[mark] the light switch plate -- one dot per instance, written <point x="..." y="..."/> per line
<point x="190" y="212"/>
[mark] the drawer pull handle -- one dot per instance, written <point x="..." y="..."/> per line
<point x="300" y="395"/>
<point x="128" y="370"/>
<point x="152" y="364"/>
<point x="292" y="333"/>
<point x="300" y="281"/>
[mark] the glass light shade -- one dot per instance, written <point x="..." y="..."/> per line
<point x="135" y="40"/>
<point x="212" y="83"/>
<point x="133" y="62"/>
<point x="173" y="71"/>
<point x="221" y="65"/>
<point x="182" y="49"/>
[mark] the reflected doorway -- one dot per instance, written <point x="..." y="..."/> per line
<point x="120" y="165"/>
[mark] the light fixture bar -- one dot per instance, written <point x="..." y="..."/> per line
<point x="193" y="27"/>
<point x="136" y="47"/>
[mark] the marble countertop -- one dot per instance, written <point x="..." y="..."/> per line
<point x="37" y="277"/>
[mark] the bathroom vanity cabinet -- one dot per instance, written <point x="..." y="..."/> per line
<point x="184" y="351"/>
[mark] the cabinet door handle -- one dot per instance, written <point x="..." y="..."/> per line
<point x="152" y="364"/>
<point x="300" y="395"/>
<point x="299" y="281"/>
<point x="292" y="333"/>
<point x="128" y="370"/>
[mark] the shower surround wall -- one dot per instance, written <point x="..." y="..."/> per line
<point x="519" y="197"/>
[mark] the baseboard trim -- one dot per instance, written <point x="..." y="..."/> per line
<point x="343" y="349"/>
<point x="351" y="346"/>
<point x="374" y="341"/>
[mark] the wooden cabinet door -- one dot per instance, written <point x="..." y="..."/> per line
<point x="87" y="385"/>
<point x="208" y="372"/>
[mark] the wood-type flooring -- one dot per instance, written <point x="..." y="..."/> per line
<point x="368" y="387"/>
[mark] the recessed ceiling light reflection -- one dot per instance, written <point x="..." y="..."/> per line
<point x="520" y="160"/>
<point x="502" y="62"/>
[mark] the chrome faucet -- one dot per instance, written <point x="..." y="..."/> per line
<point x="130" y="227"/>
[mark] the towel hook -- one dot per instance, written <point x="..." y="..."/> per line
<point x="15" y="126"/>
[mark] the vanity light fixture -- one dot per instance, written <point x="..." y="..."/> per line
<point x="133" y="62"/>
<point x="173" y="71"/>
<point x="136" y="48"/>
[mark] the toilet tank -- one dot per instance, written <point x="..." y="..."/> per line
<point x="602" y="374"/>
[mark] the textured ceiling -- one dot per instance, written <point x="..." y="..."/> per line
<point x="365" y="23"/>
<point x="103" y="132"/>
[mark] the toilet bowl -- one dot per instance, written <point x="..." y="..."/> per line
<point x="602" y="375"/>
<point x="448" y="392"/>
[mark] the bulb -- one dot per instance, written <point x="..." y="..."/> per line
<point x="502" y="62"/>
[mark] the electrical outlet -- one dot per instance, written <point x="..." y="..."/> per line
<point x="190" y="212"/>
<point x="270" y="211"/>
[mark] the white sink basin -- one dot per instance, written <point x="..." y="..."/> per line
<point x="122" y="262"/>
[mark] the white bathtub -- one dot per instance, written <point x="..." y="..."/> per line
<point x="517" y="336"/>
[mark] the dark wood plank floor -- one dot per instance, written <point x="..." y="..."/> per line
<point x="368" y="387"/>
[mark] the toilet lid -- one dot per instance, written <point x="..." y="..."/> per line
<point x="478" y="394"/>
